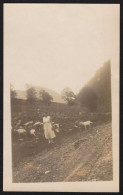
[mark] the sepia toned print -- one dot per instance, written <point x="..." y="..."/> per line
<point x="70" y="141"/>
<point x="62" y="68"/>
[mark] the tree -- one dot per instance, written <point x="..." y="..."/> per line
<point x="87" y="97"/>
<point x="68" y="95"/>
<point x="31" y="94"/>
<point x="101" y="84"/>
<point x="13" y="93"/>
<point x="45" y="97"/>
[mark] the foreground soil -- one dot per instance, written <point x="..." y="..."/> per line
<point x="75" y="156"/>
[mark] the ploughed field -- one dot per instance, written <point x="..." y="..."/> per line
<point x="76" y="155"/>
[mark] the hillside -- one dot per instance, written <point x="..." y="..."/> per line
<point x="76" y="156"/>
<point x="56" y="97"/>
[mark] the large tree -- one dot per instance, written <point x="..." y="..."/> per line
<point x="98" y="90"/>
<point x="13" y="93"/>
<point x="45" y="97"/>
<point x="101" y="84"/>
<point x="68" y="95"/>
<point x="31" y="94"/>
<point x="87" y="97"/>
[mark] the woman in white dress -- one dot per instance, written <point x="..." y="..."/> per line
<point x="48" y="132"/>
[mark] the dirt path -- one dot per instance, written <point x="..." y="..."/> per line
<point x="80" y="156"/>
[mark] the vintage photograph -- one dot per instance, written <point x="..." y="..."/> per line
<point x="58" y="66"/>
<point x="63" y="136"/>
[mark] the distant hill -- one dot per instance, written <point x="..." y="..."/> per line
<point x="56" y="97"/>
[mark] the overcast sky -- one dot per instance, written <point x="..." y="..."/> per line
<point x="55" y="46"/>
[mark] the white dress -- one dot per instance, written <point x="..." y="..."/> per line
<point x="48" y="132"/>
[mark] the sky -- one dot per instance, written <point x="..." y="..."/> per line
<point x="58" y="45"/>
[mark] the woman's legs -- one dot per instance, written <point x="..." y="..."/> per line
<point x="49" y="141"/>
<point x="52" y="141"/>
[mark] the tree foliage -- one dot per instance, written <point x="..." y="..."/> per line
<point x="101" y="83"/>
<point x="13" y="93"/>
<point x="68" y="95"/>
<point x="88" y="98"/>
<point x="100" y="92"/>
<point x="31" y="94"/>
<point x="45" y="97"/>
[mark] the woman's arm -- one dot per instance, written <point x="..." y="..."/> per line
<point x="43" y="120"/>
<point x="50" y="119"/>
